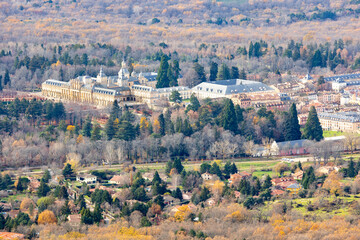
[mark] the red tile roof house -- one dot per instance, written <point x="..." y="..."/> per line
<point x="283" y="182"/>
<point x="237" y="177"/>
<point x="277" y="192"/>
<point x="34" y="184"/>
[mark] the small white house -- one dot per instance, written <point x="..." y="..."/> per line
<point x="86" y="178"/>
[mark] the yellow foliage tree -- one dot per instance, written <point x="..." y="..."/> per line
<point x="332" y="183"/>
<point x="144" y="124"/>
<point x="217" y="189"/>
<point x="47" y="217"/>
<point x="70" y="128"/>
<point x="182" y="213"/>
<point x="25" y="204"/>
<point x="156" y="126"/>
<point x="80" y="139"/>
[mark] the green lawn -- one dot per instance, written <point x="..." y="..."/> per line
<point x="332" y="133"/>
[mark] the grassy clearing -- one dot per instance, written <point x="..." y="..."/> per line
<point x="332" y="133"/>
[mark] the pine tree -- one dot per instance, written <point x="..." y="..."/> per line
<point x="233" y="169"/>
<point x="1" y="84"/>
<point x="97" y="216"/>
<point x="43" y="189"/>
<point x="194" y="104"/>
<point x="109" y="128"/>
<point x="176" y="69"/>
<point x="7" y="81"/>
<point x="86" y="130"/>
<point x="86" y="216"/>
<point x="224" y="72"/>
<point x="175" y="97"/>
<point x="228" y="117"/>
<point x="115" y="110"/>
<point x="199" y="73"/>
<point x="162" y="78"/>
<point x="351" y="169"/>
<point x="292" y="126"/>
<point x="95" y="133"/>
<point x="171" y="77"/>
<point x="126" y="131"/>
<point x="68" y="171"/>
<point x="186" y="128"/>
<point x="65" y="209"/>
<point x="234" y="74"/>
<point x="251" y="50"/>
<point x="46" y="177"/>
<point x="213" y="71"/>
<point x="177" y="165"/>
<point x="156" y="178"/>
<point x="313" y="130"/>
<point x="239" y="113"/>
<point x="161" y="120"/>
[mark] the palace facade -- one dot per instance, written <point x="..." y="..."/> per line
<point x="102" y="90"/>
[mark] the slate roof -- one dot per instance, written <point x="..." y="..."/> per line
<point x="343" y="116"/>
<point x="342" y="77"/>
<point x="232" y="86"/>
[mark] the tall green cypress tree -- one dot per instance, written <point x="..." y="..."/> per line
<point x="228" y="116"/>
<point x="162" y="77"/>
<point x="313" y="130"/>
<point x="109" y="128"/>
<point x="161" y="120"/>
<point x="292" y="126"/>
<point x="86" y="130"/>
<point x="213" y="71"/>
<point x="7" y="80"/>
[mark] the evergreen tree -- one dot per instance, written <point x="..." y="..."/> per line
<point x="204" y="194"/>
<point x="178" y="165"/>
<point x="7" y="81"/>
<point x="194" y="104"/>
<point x="97" y="216"/>
<point x="313" y="130"/>
<point x="95" y="133"/>
<point x="215" y="169"/>
<point x="161" y="120"/>
<point x="213" y="71"/>
<point x="175" y="97"/>
<point x="251" y="50"/>
<point x="242" y="74"/>
<point x="86" y="216"/>
<point x="1" y="84"/>
<point x="59" y="111"/>
<point x="176" y="69"/>
<point x="170" y="75"/>
<point x="86" y="130"/>
<point x="43" y="189"/>
<point x="126" y="131"/>
<point x="239" y="113"/>
<point x="199" y="73"/>
<point x="205" y="167"/>
<point x="233" y="169"/>
<point x="234" y="74"/>
<point x="351" y="169"/>
<point x="115" y="110"/>
<point x="316" y="60"/>
<point x="292" y="126"/>
<point x="162" y="77"/>
<point x="156" y="178"/>
<point x="68" y="171"/>
<point x="46" y="177"/>
<point x="186" y="128"/>
<point x="82" y="203"/>
<point x="177" y="194"/>
<point x="267" y="183"/>
<point x="63" y="193"/>
<point x="65" y="209"/>
<point x="224" y="72"/>
<point x="228" y="117"/>
<point x="308" y="178"/>
<point x="109" y="128"/>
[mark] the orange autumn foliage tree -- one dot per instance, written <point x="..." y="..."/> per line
<point x="47" y="217"/>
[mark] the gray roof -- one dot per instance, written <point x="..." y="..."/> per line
<point x="292" y="144"/>
<point x="341" y="116"/>
<point x="232" y="86"/>
<point x="343" y="77"/>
